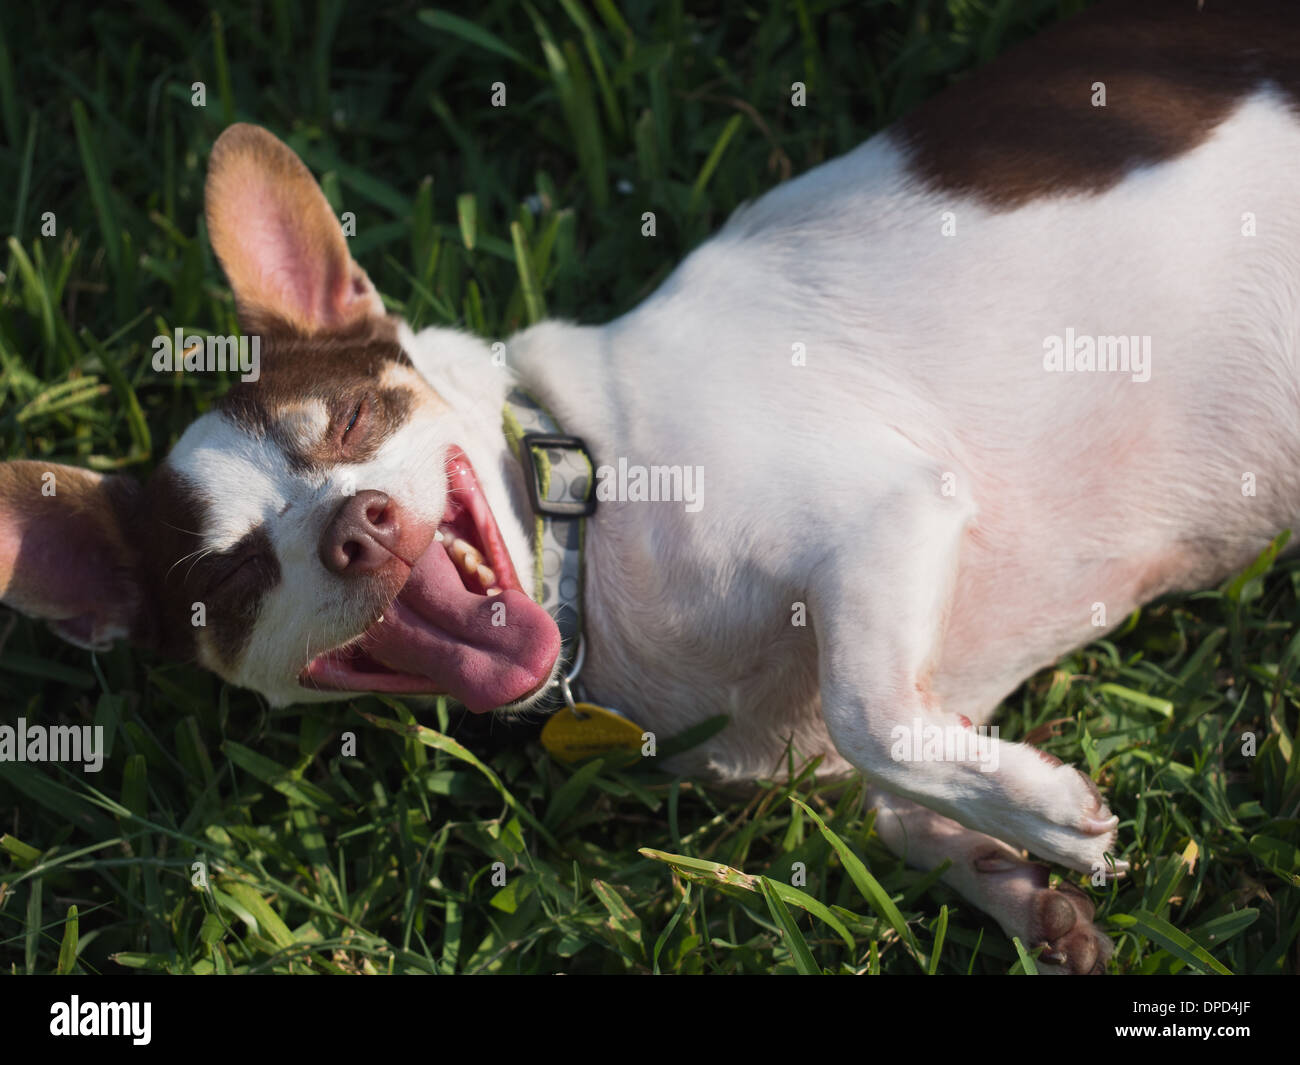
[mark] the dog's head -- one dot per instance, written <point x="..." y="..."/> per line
<point x="320" y="531"/>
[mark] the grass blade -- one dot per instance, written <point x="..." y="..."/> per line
<point x="868" y="885"/>
<point x="716" y="874"/>
<point x="533" y="301"/>
<point x="68" y="948"/>
<point x="1160" y="931"/>
<point x="470" y="32"/>
<point x="1025" y="965"/>
<point x="100" y="195"/>
<point x="803" y="959"/>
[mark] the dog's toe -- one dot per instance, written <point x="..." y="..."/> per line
<point x="1061" y="923"/>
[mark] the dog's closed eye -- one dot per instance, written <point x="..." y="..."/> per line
<point x="354" y="427"/>
<point x="242" y="569"/>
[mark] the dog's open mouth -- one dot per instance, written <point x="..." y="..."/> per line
<point x="461" y="624"/>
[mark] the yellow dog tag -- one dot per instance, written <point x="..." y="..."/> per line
<point x="586" y="730"/>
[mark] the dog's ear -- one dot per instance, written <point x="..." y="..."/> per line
<point x="65" y="551"/>
<point x="279" y="243"/>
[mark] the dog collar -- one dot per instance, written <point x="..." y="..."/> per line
<point x="560" y="480"/>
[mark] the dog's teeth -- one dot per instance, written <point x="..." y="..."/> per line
<point x="494" y="591"/>
<point x="466" y="556"/>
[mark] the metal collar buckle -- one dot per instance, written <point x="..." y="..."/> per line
<point x="555" y="508"/>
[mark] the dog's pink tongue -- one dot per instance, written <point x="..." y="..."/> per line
<point x="484" y="651"/>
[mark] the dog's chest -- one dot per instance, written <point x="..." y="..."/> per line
<point x="676" y="637"/>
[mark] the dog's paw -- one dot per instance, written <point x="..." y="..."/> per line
<point x="1057" y="919"/>
<point x="1058" y="814"/>
<point x="1060" y="921"/>
<point x="1082" y="829"/>
<point x="1079" y="804"/>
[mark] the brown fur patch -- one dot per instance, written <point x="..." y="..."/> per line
<point x="1025" y="126"/>
<point x="178" y="573"/>
<point x="172" y="517"/>
<point x="236" y="582"/>
<point x="338" y="370"/>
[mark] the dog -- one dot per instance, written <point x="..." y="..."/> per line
<point x="1009" y="362"/>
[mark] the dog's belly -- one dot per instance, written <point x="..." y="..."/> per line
<point x="1014" y="614"/>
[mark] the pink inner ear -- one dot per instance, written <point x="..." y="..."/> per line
<point x="293" y="266"/>
<point x="278" y="240"/>
<point x="63" y="567"/>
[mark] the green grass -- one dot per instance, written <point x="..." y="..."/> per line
<point x="384" y="860"/>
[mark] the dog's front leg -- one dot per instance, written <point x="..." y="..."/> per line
<point x="880" y="603"/>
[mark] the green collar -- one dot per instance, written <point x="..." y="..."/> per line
<point x="560" y="479"/>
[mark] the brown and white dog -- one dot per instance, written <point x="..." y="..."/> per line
<point x="1043" y="332"/>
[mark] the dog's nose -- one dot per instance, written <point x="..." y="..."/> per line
<point x="362" y="536"/>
